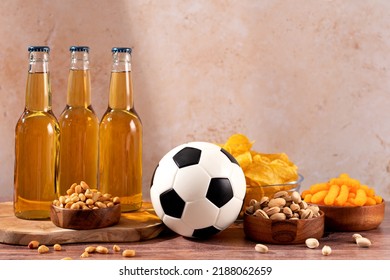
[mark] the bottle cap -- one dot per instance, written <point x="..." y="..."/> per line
<point x="121" y="50"/>
<point x="79" y="49"/>
<point x="39" y="49"/>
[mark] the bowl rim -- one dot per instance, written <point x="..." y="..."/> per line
<point x="269" y="221"/>
<point x="68" y="209"/>
<point x="349" y="207"/>
<point x="291" y="183"/>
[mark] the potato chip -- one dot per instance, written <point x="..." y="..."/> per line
<point x="260" y="169"/>
<point x="244" y="160"/>
<point x="237" y="144"/>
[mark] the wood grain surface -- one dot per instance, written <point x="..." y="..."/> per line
<point x="230" y="244"/>
<point x="135" y="226"/>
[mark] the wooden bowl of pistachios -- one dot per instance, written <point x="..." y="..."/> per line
<point x="283" y="219"/>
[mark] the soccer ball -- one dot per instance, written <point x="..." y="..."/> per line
<point x="198" y="189"/>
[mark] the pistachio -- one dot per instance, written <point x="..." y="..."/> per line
<point x="326" y="250"/>
<point x="296" y="197"/>
<point x="281" y="194"/>
<point x="363" y="242"/>
<point x="261" y="248"/>
<point x="278" y="217"/>
<point x="279" y="202"/>
<point x="312" y="243"/>
<point x="261" y="213"/>
<point x="272" y="210"/>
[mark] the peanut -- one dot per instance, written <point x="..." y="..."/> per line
<point x="33" y="244"/>
<point x="80" y="196"/>
<point x="57" y="247"/>
<point x="116" y="248"/>
<point x="101" y="250"/>
<point x="261" y="248"/>
<point x="67" y="258"/>
<point x="85" y="254"/>
<point x="43" y="249"/>
<point x="90" y="249"/>
<point x="128" y="253"/>
<point x="326" y="250"/>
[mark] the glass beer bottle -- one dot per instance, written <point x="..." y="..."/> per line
<point x="36" y="143"/>
<point x="120" y="144"/>
<point x="79" y="127"/>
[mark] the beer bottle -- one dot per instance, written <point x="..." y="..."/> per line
<point x="79" y="127"/>
<point x="36" y="143"/>
<point x="120" y="144"/>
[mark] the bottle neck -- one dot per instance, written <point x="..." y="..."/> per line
<point x="79" y="80"/>
<point x="121" y="85"/>
<point x="38" y="89"/>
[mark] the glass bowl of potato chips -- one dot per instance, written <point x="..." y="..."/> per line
<point x="258" y="191"/>
<point x="265" y="173"/>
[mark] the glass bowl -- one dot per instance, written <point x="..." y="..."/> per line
<point x="257" y="192"/>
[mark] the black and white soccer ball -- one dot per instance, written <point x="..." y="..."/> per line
<point x="198" y="189"/>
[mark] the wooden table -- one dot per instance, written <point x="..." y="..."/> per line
<point x="230" y="244"/>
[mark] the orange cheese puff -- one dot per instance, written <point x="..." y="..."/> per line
<point x="350" y="202"/>
<point x="307" y="198"/>
<point x="337" y="181"/>
<point x="369" y="191"/>
<point x="370" y="201"/>
<point x="353" y="189"/>
<point x="344" y="175"/>
<point x="304" y="193"/>
<point x="351" y="194"/>
<point x="341" y="199"/>
<point x="378" y="199"/>
<point x="332" y="194"/>
<point x="318" y="197"/>
<point x="360" y="198"/>
<point x="318" y="187"/>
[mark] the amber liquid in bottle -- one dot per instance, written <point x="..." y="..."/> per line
<point x="120" y="146"/>
<point x="36" y="144"/>
<point x="79" y="128"/>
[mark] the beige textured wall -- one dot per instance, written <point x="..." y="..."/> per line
<point x="309" y="78"/>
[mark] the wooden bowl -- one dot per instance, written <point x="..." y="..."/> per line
<point x="264" y="230"/>
<point x="85" y="219"/>
<point x="358" y="218"/>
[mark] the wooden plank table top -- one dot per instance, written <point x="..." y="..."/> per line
<point x="230" y="244"/>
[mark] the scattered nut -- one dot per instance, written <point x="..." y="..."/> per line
<point x="363" y="242"/>
<point x="128" y="253"/>
<point x="326" y="250"/>
<point x="43" y="249"/>
<point x="85" y="254"/>
<point x="90" y="249"/>
<point x="312" y="243"/>
<point x="101" y="250"/>
<point x="116" y="248"/>
<point x="57" y="247"/>
<point x="356" y="236"/>
<point x="33" y="244"/>
<point x="261" y="248"/>
<point x="67" y="258"/>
